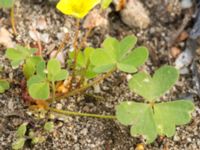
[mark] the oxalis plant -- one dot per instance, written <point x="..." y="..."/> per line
<point x="47" y="82"/>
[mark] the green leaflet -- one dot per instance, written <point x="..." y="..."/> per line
<point x="55" y="73"/>
<point x="39" y="90"/>
<point x="18" y="144"/>
<point x="119" y="54"/>
<point x="4" y="85"/>
<point x="159" y="120"/>
<point x="29" y="68"/>
<point x="152" y="88"/>
<point x="6" y="3"/>
<point x="21" y="130"/>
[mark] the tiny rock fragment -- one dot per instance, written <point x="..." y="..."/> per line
<point x="183" y="36"/>
<point x="35" y="35"/>
<point x="175" y="51"/>
<point x="134" y="14"/>
<point x="5" y="38"/>
<point x="139" y="147"/>
<point x="184" y="59"/>
<point x="94" y="19"/>
<point x="174" y="7"/>
<point x="185" y="4"/>
<point x="41" y="23"/>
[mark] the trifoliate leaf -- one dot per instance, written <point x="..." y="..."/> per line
<point x="105" y="3"/>
<point x="119" y="54"/>
<point x="4" y="85"/>
<point x="6" y="3"/>
<point x="21" y="130"/>
<point x="152" y="120"/>
<point x="18" y="144"/>
<point x="152" y="88"/>
<point x="18" y="55"/>
<point x="49" y="126"/>
<point x="39" y="90"/>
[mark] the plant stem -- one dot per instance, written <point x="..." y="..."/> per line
<point x="81" y="89"/>
<point x="76" y="49"/>
<point x="71" y="113"/>
<point x="54" y="90"/>
<point x="62" y="45"/>
<point x="84" y="40"/>
<point x="12" y="19"/>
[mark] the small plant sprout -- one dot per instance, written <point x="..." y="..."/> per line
<point x="23" y="134"/>
<point x="9" y="4"/>
<point x="20" y="135"/>
<point x="152" y="117"/>
<point x="49" y="126"/>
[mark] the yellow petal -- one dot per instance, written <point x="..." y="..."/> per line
<point x="76" y="8"/>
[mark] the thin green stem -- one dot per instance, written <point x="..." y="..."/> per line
<point x="62" y="45"/>
<point x="71" y="113"/>
<point x="76" y="49"/>
<point x="12" y="19"/>
<point x="81" y="89"/>
<point x="54" y="90"/>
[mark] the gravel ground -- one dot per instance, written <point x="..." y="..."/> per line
<point x="80" y="133"/>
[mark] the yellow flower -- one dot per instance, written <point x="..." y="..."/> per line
<point x="76" y="8"/>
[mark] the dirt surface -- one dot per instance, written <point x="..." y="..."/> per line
<point x="81" y="133"/>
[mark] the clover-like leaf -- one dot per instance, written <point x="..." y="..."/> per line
<point x="76" y="8"/>
<point x="21" y="130"/>
<point x="18" y="144"/>
<point x="119" y="54"/>
<point x="154" y="87"/>
<point x="159" y="119"/>
<point x="55" y="73"/>
<point x="6" y="3"/>
<point x="4" y="85"/>
<point x="18" y="55"/>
